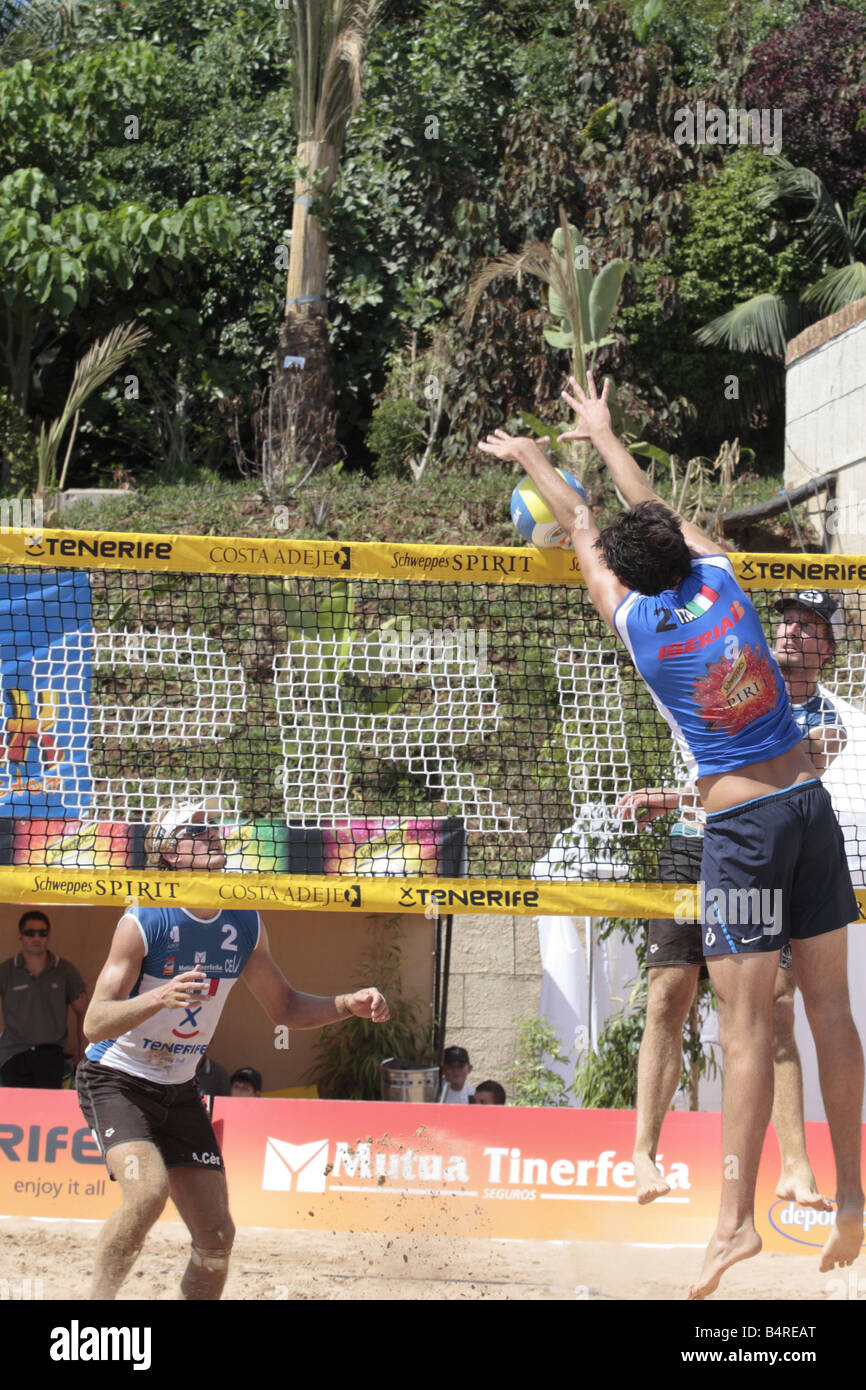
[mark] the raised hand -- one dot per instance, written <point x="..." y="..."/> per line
<point x="593" y="415"/>
<point x="508" y="447"/>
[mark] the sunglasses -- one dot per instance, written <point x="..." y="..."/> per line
<point x="198" y="832"/>
<point x="34" y="931"/>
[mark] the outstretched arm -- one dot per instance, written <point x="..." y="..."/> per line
<point x="594" y="424"/>
<point x="289" y="1007"/>
<point x="572" y="513"/>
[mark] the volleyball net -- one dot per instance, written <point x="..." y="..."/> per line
<point x="372" y="727"/>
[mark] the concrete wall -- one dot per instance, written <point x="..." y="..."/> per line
<point x="495" y="975"/>
<point x="826" y="421"/>
<point x="317" y="952"/>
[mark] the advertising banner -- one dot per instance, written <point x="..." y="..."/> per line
<point x="45" y="677"/>
<point x="526" y="1174"/>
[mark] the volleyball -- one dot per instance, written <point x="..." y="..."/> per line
<point x="534" y="519"/>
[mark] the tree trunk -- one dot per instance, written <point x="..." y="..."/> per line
<point x="304" y="332"/>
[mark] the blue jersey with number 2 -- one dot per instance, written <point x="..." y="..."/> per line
<point x="168" y="1047"/>
<point x="702" y="652"/>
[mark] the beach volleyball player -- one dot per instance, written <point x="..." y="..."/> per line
<point x="696" y="640"/>
<point x="154" y="1010"/>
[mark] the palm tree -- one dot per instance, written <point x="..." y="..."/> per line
<point x="33" y="28"/>
<point x="328" y="40"/>
<point x="99" y="363"/>
<point x="835" y="239"/>
<point x="582" y="304"/>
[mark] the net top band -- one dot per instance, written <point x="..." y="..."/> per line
<point x="365" y="560"/>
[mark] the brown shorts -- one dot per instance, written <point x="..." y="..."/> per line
<point x="122" y="1109"/>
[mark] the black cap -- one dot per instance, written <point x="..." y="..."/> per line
<point x="456" y="1054"/>
<point x="824" y="604"/>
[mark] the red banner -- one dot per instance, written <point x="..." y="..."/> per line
<point x="465" y="1171"/>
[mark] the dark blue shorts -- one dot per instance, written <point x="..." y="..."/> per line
<point x="774" y="870"/>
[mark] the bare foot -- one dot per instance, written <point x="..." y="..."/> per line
<point x="799" y="1186"/>
<point x="650" y="1183"/>
<point x="722" y="1252"/>
<point x="845" y="1239"/>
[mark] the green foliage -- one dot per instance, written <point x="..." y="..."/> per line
<point x="478" y="121"/>
<point x="424" y="146"/>
<point x="96" y="367"/>
<point x="328" y="38"/>
<point x="531" y="1081"/>
<point x="732" y="249"/>
<point x="17" y="447"/>
<point x="349" y="1054"/>
<point x="644" y="20"/>
<point x="834" y="241"/>
<point x="60" y="255"/>
<point x="814" y="72"/>
<point x="80" y="230"/>
<point x="607" y="1079"/>
<point x="396" y="434"/>
<point x="583" y="323"/>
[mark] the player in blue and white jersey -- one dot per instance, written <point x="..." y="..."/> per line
<point x="696" y="640"/>
<point x="154" y="1010"/>
<point x="810" y="624"/>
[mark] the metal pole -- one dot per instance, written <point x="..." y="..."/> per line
<point x="437" y="985"/>
<point x="446" y="968"/>
<point x="590" y="984"/>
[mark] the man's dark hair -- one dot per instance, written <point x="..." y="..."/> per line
<point x="33" y="916"/>
<point x="645" y="549"/>
<point x="248" y="1074"/>
<point x="497" y="1091"/>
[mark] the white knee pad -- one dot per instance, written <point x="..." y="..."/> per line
<point x="215" y="1261"/>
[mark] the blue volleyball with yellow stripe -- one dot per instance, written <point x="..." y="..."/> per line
<point x="534" y="519"/>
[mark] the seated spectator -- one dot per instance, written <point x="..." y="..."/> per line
<point x="213" y="1080"/>
<point x="37" y="989"/>
<point x="246" y="1081"/>
<point x="455" y="1069"/>
<point x="489" y="1093"/>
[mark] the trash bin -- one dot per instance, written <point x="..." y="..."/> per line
<point x="408" y="1081"/>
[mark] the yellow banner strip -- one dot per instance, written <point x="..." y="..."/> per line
<point x="329" y="893"/>
<point x="362" y="560"/>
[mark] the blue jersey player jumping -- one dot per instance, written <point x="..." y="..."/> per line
<point x="696" y="640"/>
<point x="153" y="1012"/>
<point x="809" y="627"/>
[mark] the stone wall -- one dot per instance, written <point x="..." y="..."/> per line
<point x="495" y="976"/>
<point x="824" y="426"/>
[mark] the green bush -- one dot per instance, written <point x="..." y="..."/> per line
<point x="607" y="1079"/>
<point x="397" y="432"/>
<point x="349" y="1055"/>
<point x="17" y="448"/>
<point x="531" y="1081"/>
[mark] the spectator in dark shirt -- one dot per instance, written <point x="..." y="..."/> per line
<point x="37" y="989"/>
